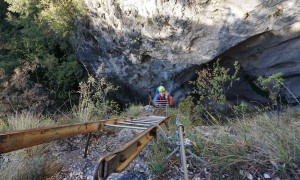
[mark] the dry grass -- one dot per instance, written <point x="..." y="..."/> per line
<point x="30" y="163"/>
<point x="275" y="138"/>
<point x="133" y="111"/>
<point x="27" y="120"/>
<point x="258" y="144"/>
<point x="36" y="162"/>
<point x="94" y="100"/>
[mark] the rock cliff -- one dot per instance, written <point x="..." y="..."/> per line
<point x="145" y="43"/>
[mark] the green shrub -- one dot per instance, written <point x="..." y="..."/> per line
<point x="210" y="89"/>
<point x="186" y="106"/>
<point x="241" y="109"/>
<point x="273" y="85"/>
<point x="38" y="33"/>
<point x="63" y="78"/>
<point x="157" y="163"/>
<point x="61" y="15"/>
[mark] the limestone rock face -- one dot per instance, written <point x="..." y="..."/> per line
<point x="269" y="53"/>
<point x="145" y="43"/>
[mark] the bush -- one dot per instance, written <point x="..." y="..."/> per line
<point x="63" y="78"/>
<point x="186" y="106"/>
<point x="95" y="101"/>
<point x="273" y="85"/>
<point x="209" y="90"/>
<point x="19" y="93"/>
<point x="38" y="33"/>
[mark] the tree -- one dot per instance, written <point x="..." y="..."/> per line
<point x="37" y="33"/>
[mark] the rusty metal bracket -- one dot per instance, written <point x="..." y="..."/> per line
<point x="121" y="158"/>
<point x="15" y="140"/>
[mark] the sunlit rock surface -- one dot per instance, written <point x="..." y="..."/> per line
<point x="143" y="44"/>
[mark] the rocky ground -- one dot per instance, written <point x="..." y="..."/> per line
<point x="70" y="154"/>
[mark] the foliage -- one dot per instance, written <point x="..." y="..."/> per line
<point x="272" y="84"/>
<point x="190" y="111"/>
<point x="186" y="105"/>
<point x="19" y="93"/>
<point x="63" y="78"/>
<point x="61" y="15"/>
<point x="241" y="108"/>
<point x="38" y="32"/>
<point x="157" y="163"/>
<point x="211" y="86"/>
<point x="94" y="100"/>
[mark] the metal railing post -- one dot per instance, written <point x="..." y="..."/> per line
<point x="180" y="132"/>
<point x="87" y="145"/>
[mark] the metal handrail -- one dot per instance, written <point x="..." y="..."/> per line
<point x="122" y="157"/>
<point x="14" y="140"/>
<point x="113" y="162"/>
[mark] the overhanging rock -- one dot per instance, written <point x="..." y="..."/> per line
<point x="143" y="44"/>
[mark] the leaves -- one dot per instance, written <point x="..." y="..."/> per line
<point x="272" y="84"/>
<point x="94" y="99"/>
<point x="39" y="34"/>
<point x="61" y="15"/>
<point x="212" y="84"/>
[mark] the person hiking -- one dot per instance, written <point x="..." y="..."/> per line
<point x="163" y="95"/>
<point x="156" y="90"/>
